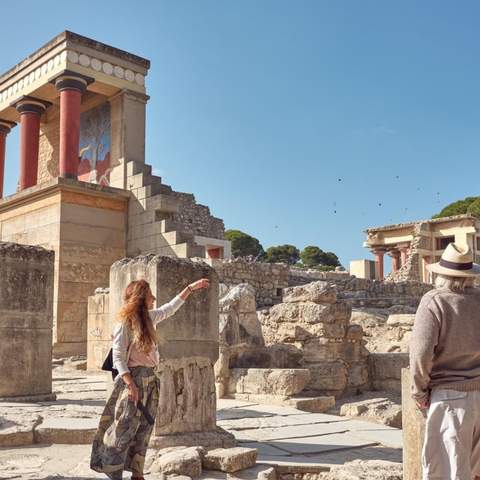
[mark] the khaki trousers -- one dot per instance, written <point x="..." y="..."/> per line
<point x="452" y="436"/>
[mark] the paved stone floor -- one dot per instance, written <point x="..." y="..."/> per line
<point x="283" y="435"/>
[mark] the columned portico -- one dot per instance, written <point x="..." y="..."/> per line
<point x="30" y="110"/>
<point x="5" y="128"/>
<point x="71" y="86"/>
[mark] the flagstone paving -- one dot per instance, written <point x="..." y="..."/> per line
<point x="284" y="436"/>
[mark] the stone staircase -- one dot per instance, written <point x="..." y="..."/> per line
<point x="154" y="217"/>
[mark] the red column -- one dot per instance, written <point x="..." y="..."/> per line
<point x="5" y="128"/>
<point x="403" y="254"/>
<point x="71" y="87"/>
<point x="30" y="110"/>
<point x="395" y="261"/>
<point x="379" y="263"/>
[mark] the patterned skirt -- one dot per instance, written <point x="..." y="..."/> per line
<point x="123" y="434"/>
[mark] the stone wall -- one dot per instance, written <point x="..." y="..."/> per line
<point x="316" y="324"/>
<point x="26" y="314"/>
<point x="197" y="219"/>
<point x="268" y="279"/>
<point x="365" y="293"/>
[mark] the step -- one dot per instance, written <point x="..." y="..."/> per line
<point x="134" y="167"/>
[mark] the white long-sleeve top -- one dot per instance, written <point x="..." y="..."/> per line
<point x="121" y="335"/>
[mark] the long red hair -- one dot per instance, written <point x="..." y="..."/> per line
<point x="134" y="314"/>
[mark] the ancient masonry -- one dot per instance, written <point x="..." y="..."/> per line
<point x="26" y="294"/>
<point x="84" y="190"/>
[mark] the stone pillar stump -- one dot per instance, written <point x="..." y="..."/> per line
<point x="413" y="424"/>
<point x="26" y="317"/>
<point x="188" y="347"/>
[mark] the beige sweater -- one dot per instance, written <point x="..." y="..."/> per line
<point x="445" y="344"/>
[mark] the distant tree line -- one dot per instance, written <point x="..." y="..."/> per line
<point x="468" y="205"/>
<point x="246" y="246"/>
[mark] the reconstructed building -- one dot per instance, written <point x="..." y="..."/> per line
<point x="84" y="190"/>
<point x="412" y="246"/>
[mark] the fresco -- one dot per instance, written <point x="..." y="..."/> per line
<point x="94" y="155"/>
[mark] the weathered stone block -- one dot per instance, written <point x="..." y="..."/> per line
<point x="181" y="461"/>
<point x="328" y="376"/>
<point x="26" y="316"/>
<point x="230" y="459"/>
<point x="316" y="292"/>
<point x="268" y="381"/>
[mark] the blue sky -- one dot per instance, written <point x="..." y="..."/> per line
<point x="298" y="122"/>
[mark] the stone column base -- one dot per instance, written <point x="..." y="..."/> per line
<point x="46" y="397"/>
<point x="216" y="439"/>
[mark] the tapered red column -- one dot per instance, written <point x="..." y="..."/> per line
<point x="71" y="87"/>
<point x="30" y="110"/>
<point x="403" y="254"/>
<point x="379" y="254"/>
<point x="5" y="128"/>
<point x="395" y="254"/>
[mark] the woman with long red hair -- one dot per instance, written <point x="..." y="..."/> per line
<point x="124" y="431"/>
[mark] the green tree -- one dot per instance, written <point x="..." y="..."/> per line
<point x="283" y="254"/>
<point x="460" y="207"/>
<point x="244" y="245"/>
<point x="313" y="256"/>
<point x="474" y="207"/>
<point x="330" y="259"/>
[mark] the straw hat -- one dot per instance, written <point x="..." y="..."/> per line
<point x="456" y="261"/>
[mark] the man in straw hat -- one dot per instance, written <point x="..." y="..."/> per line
<point x="445" y="365"/>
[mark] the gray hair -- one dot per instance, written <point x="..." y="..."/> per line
<point x="455" y="284"/>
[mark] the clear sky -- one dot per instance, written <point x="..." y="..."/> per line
<point x="299" y="122"/>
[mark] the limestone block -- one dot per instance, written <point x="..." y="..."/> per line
<point x="17" y="430"/>
<point x="328" y="376"/>
<point x="316" y="292"/>
<point x="180" y="461"/>
<point x="378" y="410"/>
<point x="413" y="423"/>
<point x="385" y="370"/>
<point x="268" y="381"/>
<point x="230" y="459"/>
<point x="308" y="312"/>
<point x="358" y="375"/>
<point x="26" y="316"/>
<point x="312" y="404"/>
<point x="319" y="349"/>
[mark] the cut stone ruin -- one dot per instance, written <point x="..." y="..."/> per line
<point x="316" y="323"/>
<point x="26" y="316"/>
<point x="302" y="352"/>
